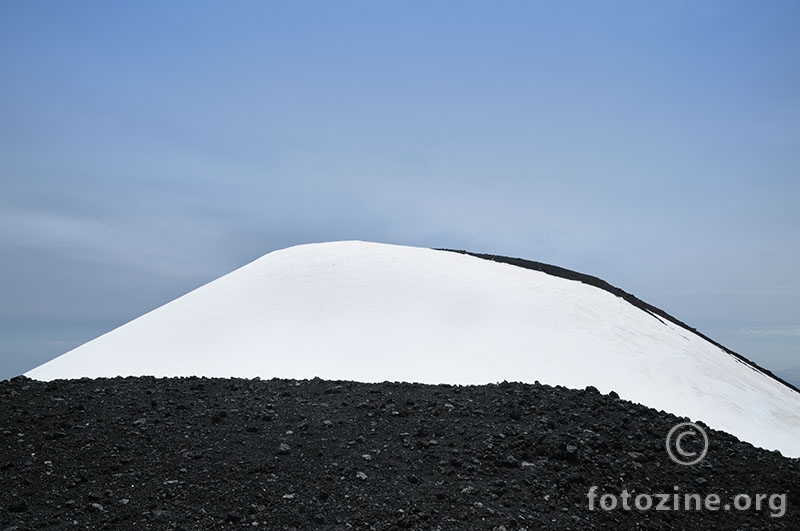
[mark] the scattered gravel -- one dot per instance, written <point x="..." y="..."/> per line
<point x="196" y="453"/>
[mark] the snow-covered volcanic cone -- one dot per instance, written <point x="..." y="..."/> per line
<point x="373" y="312"/>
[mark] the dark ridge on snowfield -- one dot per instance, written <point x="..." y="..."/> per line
<point x="602" y="284"/>
<point x="207" y="454"/>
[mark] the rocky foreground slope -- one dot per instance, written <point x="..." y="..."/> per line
<point x="191" y="453"/>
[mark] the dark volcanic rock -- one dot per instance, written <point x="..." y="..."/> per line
<point x="194" y="453"/>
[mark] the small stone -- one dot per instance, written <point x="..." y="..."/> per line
<point x="572" y="453"/>
<point x="318" y="519"/>
<point x="613" y="394"/>
<point x="139" y="422"/>
<point x="284" y="449"/>
<point x="638" y="457"/>
<point x="361" y="475"/>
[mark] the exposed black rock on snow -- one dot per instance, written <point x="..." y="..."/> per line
<point x="193" y="453"/>
<point x="590" y="280"/>
<point x="791" y="375"/>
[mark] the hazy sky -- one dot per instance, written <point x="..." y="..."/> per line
<point x="149" y="147"/>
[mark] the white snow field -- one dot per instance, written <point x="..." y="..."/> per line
<point x="374" y="312"/>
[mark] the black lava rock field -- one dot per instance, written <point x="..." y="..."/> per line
<point x="195" y="453"/>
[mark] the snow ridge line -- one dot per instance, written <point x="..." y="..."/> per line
<point x="568" y="274"/>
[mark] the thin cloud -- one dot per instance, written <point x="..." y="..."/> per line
<point x="769" y="331"/>
<point x="63" y="343"/>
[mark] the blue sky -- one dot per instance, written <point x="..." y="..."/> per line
<point x="149" y="147"/>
